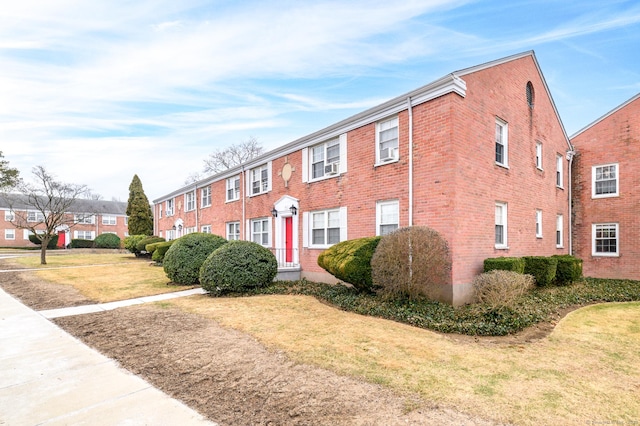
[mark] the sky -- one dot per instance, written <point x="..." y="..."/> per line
<point x="97" y="91"/>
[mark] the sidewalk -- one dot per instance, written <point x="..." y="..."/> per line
<point x="49" y="377"/>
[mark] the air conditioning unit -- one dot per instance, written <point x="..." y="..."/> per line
<point x="388" y="154"/>
<point x="169" y="213"/>
<point x="332" y="169"/>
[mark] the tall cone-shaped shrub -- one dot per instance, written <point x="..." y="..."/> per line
<point x="139" y="210"/>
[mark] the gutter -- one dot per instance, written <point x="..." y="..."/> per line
<point x="410" y="110"/>
<point x="570" y="154"/>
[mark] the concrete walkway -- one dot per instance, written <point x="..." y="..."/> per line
<point x="48" y="377"/>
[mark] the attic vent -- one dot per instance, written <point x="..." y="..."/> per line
<point x="530" y="94"/>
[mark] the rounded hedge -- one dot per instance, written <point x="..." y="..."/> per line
<point x="110" y="241"/>
<point x="183" y="259"/>
<point x="53" y="242"/>
<point x="160" y="250"/>
<point x="141" y="246"/>
<point x="132" y="241"/>
<point x="350" y="261"/>
<point x="238" y="265"/>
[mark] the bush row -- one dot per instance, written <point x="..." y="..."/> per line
<point x="558" y="269"/>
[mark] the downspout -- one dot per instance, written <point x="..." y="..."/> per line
<point x="195" y="195"/>
<point x="243" y="187"/>
<point x="570" y="155"/>
<point x="410" y="110"/>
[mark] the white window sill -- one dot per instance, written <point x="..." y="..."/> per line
<point x="259" y="193"/>
<point x="384" y="163"/>
<point x="539" y="237"/>
<point x="604" y="196"/>
<point x="560" y="187"/>
<point x="325" y="177"/>
<point x="231" y="201"/>
<point x="605" y="254"/>
<point x="540" y="169"/>
<point x="502" y="247"/>
<point x="504" y="166"/>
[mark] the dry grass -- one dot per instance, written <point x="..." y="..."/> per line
<point x="585" y="371"/>
<point x="60" y="259"/>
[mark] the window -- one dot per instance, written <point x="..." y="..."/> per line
<point x="538" y="223"/>
<point x="387" y="140"/>
<point x="559" y="231"/>
<point x="530" y="94"/>
<point x="126" y="220"/>
<point x="205" y="196"/>
<point x="9" y="234"/>
<point x="260" y="231"/>
<point x="559" y="175"/>
<point x="233" y="231"/>
<point x="170" y="207"/>
<point x="605" y="239"/>
<point x="259" y="180"/>
<point x="9" y="215"/>
<point x="86" y="219"/>
<point x="190" y="201"/>
<point x="84" y="235"/>
<point x="539" y="155"/>
<point x="502" y="143"/>
<point x="325" y="159"/>
<point x="501" y="225"/>
<point x="109" y="220"/>
<point x="387" y="217"/>
<point x="233" y="188"/>
<point x="206" y="229"/>
<point x="34" y="216"/>
<point x="325" y="228"/>
<point x="189" y="230"/>
<point x="171" y="234"/>
<point x="605" y="181"/>
<point x="160" y="213"/>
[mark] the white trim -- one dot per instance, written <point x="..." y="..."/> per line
<point x="539" y="232"/>
<point x="305" y="165"/>
<point x="539" y="162"/>
<point x="308" y="168"/>
<point x="203" y="202"/>
<point x="305" y="229"/>
<point x="593" y="181"/>
<point x="560" y="229"/>
<point x="560" y="171"/>
<point x="393" y="156"/>
<point x="231" y="180"/>
<point x="379" y="205"/>
<point x="187" y="195"/>
<point x="7" y="232"/>
<point x="308" y="226"/>
<point x="504" y="126"/>
<point x="616" y="227"/>
<point x="504" y="219"/>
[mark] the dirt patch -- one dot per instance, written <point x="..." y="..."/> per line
<point x="38" y="294"/>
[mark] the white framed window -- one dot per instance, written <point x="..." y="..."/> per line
<point x="559" y="171"/>
<point x="171" y="234"/>
<point x="109" y="220"/>
<point x="538" y="223"/>
<point x="605" y="181"/>
<point x="86" y="219"/>
<point x="84" y="235"/>
<point x="159" y="213"/>
<point x="233" y="231"/>
<point x="9" y="234"/>
<point x="260" y="231"/>
<point x="502" y="143"/>
<point x="205" y="229"/>
<point x="387" y="140"/>
<point x="501" y="225"/>
<point x="189" y="230"/>
<point x="539" y="155"/>
<point x="260" y="180"/>
<point x="9" y="215"/>
<point x="34" y="216"/>
<point x="559" y="231"/>
<point x="205" y="196"/>
<point x="170" y="207"/>
<point x="325" y="228"/>
<point x="387" y="216"/>
<point x="233" y="188"/>
<point x="605" y="239"/>
<point x="190" y="201"/>
<point x="126" y="220"/>
<point x="325" y="159"/>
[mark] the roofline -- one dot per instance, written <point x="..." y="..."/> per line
<point x="613" y="111"/>
<point x="443" y="86"/>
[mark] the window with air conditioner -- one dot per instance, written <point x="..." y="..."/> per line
<point x="324" y="159"/>
<point x="387" y="140"/>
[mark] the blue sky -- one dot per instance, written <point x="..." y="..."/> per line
<point x="97" y="91"/>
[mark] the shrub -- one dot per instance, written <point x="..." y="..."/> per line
<point x="161" y="250"/>
<point x="79" y="243"/>
<point x="183" y="259"/>
<point x="542" y="268"/>
<point x="350" y="261"/>
<point x="141" y="246"/>
<point x="413" y="262"/>
<point x="569" y="269"/>
<point x="515" y="264"/>
<point x="111" y="241"/>
<point x="499" y="288"/>
<point x="236" y="266"/>
<point x="132" y="241"/>
<point x="53" y="242"/>
<point x="151" y="248"/>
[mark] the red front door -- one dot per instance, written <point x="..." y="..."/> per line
<point x="61" y="236"/>
<point x="288" y="239"/>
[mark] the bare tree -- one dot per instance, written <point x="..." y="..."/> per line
<point x="43" y="207"/>
<point x="193" y="177"/>
<point x="234" y="155"/>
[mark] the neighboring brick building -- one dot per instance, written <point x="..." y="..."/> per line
<point x="606" y="178"/>
<point x="478" y="155"/>
<point x="89" y="219"/>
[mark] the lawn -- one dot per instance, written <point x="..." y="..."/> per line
<point x="585" y="371"/>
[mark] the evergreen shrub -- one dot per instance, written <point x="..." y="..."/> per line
<point x="542" y="268"/>
<point x="183" y="259"/>
<point x="141" y="246"/>
<point x="569" y="269"/>
<point x="131" y="243"/>
<point x="237" y="266"/>
<point x="79" y="243"/>
<point x="53" y="242"/>
<point x="350" y="261"/>
<point x="160" y="250"/>
<point x="110" y="241"/>
<point x="515" y="264"/>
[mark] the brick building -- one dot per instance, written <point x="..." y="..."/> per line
<point x="89" y="219"/>
<point x="606" y="178"/>
<point x="478" y="155"/>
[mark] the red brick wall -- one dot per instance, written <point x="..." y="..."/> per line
<point x="615" y="139"/>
